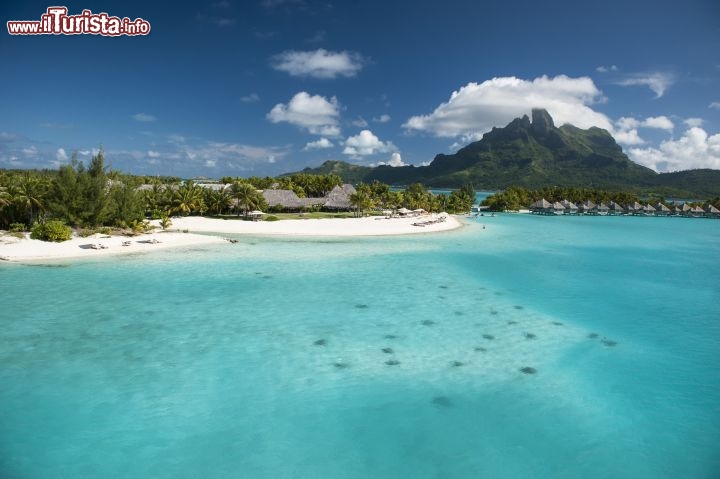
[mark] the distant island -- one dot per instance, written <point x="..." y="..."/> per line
<point x="537" y="154"/>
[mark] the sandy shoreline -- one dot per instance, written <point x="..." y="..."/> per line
<point x="27" y="250"/>
<point x="339" y="227"/>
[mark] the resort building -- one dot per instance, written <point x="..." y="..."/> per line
<point x="570" y="207"/>
<point x="615" y="209"/>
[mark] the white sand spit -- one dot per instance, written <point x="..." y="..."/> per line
<point x="369" y="226"/>
<point x="29" y="250"/>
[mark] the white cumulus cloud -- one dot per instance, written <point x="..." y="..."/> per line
<point x="153" y="154"/>
<point x="626" y="131"/>
<point x="382" y="118"/>
<point x="318" y="63"/>
<point x="366" y="143"/>
<point x="477" y="107"/>
<point x="658" y="82"/>
<point x="315" y="113"/>
<point x="715" y="105"/>
<point x="320" y="144"/>
<point x="695" y="149"/>
<point x="395" y="160"/>
<point x="60" y="155"/>
<point x="693" y="122"/>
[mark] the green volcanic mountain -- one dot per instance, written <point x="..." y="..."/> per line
<point x="536" y="154"/>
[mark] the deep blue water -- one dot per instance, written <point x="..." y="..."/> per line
<point x="204" y="362"/>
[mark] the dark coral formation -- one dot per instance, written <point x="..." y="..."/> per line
<point x="442" y="401"/>
<point x="528" y="370"/>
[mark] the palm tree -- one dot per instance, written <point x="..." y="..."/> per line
<point x="217" y="201"/>
<point x="362" y="199"/>
<point x="246" y="197"/>
<point x="29" y="195"/>
<point x="187" y="199"/>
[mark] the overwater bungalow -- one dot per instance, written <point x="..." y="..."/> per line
<point x="587" y="208"/>
<point x="697" y="212"/>
<point x="570" y="207"/>
<point x="684" y="210"/>
<point x="542" y="207"/>
<point x="712" y="212"/>
<point x="648" y="210"/>
<point x="661" y="210"/>
<point x="603" y="209"/>
<point x="615" y="209"/>
<point x="558" y="208"/>
<point x="636" y="209"/>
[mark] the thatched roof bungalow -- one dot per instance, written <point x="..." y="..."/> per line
<point x="636" y="208"/>
<point x="603" y="209"/>
<point x="697" y="212"/>
<point x="570" y="207"/>
<point x="543" y="207"/>
<point x="648" y="210"/>
<point x="661" y="210"/>
<point x="684" y="210"/>
<point x="339" y="197"/>
<point x="558" y="208"/>
<point x="587" y="207"/>
<point x="712" y="212"/>
<point x="615" y="209"/>
<point x="286" y="199"/>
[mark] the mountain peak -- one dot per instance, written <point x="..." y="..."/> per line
<point x="542" y="122"/>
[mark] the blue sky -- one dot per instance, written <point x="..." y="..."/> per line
<point x="260" y="87"/>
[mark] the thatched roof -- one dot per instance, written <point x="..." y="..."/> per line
<point x="284" y="198"/>
<point x="685" y="208"/>
<point x="569" y="205"/>
<point x="603" y="207"/>
<point x="635" y="207"/>
<point x="697" y="209"/>
<point x="662" y="207"/>
<point x="339" y="197"/>
<point x="558" y="206"/>
<point x="615" y="207"/>
<point x="712" y="209"/>
<point x="542" y="204"/>
<point x="649" y="208"/>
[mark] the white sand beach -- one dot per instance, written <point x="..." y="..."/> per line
<point x="367" y="226"/>
<point x="28" y="250"/>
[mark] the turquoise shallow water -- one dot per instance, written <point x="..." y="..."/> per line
<point x="204" y="362"/>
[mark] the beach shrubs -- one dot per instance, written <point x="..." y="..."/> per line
<point x="53" y="230"/>
<point x="165" y="222"/>
<point x="17" y="228"/>
<point x="271" y="218"/>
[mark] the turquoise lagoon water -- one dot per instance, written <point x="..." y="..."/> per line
<point x="264" y="359"/>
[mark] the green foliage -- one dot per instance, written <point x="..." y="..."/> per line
<point x="53" y="230"/>
<point x="271" y="218"/>
<point x="17" y="227"/>
<point x="246" y="197"/>
<point x="165" y="223"/>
